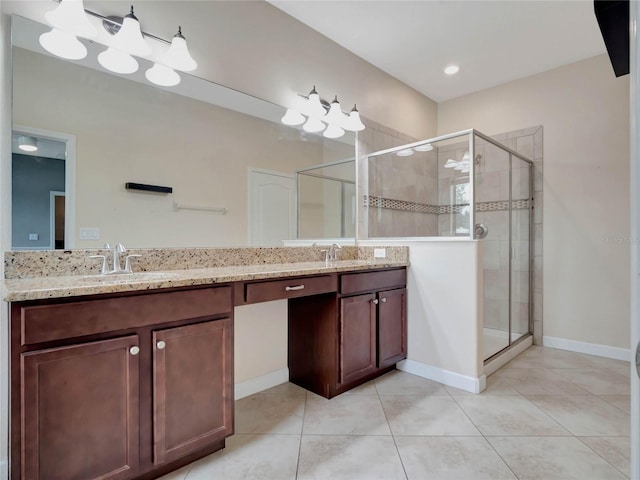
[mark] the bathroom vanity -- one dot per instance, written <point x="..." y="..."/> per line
<point x="132" y="382"/>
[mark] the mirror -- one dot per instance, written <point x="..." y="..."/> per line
<point x="229" y="161"/>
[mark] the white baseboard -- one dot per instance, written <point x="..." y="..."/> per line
<point x="607" y="351"/>
<point x="505" y="357"/>
<point x="452" y="379"/>
<point x="258" y="384"/>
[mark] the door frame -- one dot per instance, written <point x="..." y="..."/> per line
<point x="52" y="217"/>
<point x="251" y="213"/>
<point x="69" y="177"/>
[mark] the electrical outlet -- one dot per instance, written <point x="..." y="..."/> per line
<point x="87" y="233"/>
<point x="379" y="253"/>
<point x="34" y="236"/>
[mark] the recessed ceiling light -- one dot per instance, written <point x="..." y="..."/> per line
<point x="452" y="69"/>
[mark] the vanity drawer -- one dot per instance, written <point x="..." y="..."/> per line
<point x="370" y="281"/>
<point x="45" y="323"/>
<point x="290" y="288"/>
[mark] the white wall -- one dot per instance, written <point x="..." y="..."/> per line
<point x="584" y="110"/>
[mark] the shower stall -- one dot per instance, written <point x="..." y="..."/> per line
<point x="462" y="186"/>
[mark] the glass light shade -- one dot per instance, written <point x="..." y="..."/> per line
<point x="162" y="75"/>
<point x="63" y="44"/>
<point x="178" y="56"/>
<point x="354" y="124"/>
<point x="27" y="144"/>
<point x="459" y="167"/>
<point x="333" y="131"/>
<point x="335" y="115"/>
<point x="314" y="107"/>
<point x="118" y="61"/>
<point x="404" y="153"/>
<point x="129" y="38"/>
<point x="292" y="118"/>
<point x="313" y="125"/>
<point x="450" y="164"/>
<point x="70" y="17"/>
<point x="427" y="147"/>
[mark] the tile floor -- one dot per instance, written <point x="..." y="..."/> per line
<point x="548" y="414"/>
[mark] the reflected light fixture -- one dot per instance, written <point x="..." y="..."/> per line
<point x="314" y="113"/>
<point x="27" y="144"/>
<point x="292" y="118"/>
<point x="425" y="147"/>
<point x="63" y="44"/>
<point x="162" y="75"/>
<point x="406" y="152"/>
<point x="451" y="69"/>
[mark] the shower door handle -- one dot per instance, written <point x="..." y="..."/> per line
<point x="638" y="359"/>
<point x="480" y="231"/>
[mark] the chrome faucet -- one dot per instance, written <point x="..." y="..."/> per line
<point x="118" y="250"/>
<point x="333" y="252"/>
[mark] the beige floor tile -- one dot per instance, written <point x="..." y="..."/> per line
<point x="287" y="389"/>
<point x="584" y="415"/>
<point x="451" y="458"/>
<point x="544" y="357"/>
<point x="345" y="415"/>
<point x="623" y="402"/>
<point x="425" y="415"/>
<point x="538" y="381"/>
<point x="620" y="366"/>
<point x="270" y="414"/>
<point x="368" y="388"/>
<point x="401" y="383"/>
<point x="349" y="458"/>
<point x="496" y="385"/>
<point x="549" y="458"/>
<point x="264" y="457"/>
<point x="615" y="450"/>
<point x="597" y="381"/>
<point x="501" y="416"/>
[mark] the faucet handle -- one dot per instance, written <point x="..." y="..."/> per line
<point x="326" y="254"/>
<point x="104" y="263"/>
<point x="120" y="248"/>
<point x="127" y="263"/>
<point x="107" y="246"/>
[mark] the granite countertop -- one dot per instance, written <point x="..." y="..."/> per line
<point x="15" y="290"/>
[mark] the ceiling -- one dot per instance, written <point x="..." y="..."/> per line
<point x="493" y="42"/>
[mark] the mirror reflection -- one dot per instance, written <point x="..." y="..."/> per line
<point x="230" y="163"/>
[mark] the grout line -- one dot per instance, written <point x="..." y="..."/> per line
<point x="384" y="412"/>
<point x="304" y="413"/>
<point x="597" y="453"/>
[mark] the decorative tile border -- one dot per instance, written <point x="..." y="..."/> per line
<point x="403" y="205"/>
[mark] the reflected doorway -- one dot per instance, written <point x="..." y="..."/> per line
<point x="42" y="172"/>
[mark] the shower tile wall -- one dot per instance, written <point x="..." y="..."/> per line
<point x="410" y="179"/>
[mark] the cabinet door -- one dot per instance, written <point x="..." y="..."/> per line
<point x="357" y="337"/>
<point x="192" y="387"/>
<point x="80" y="411"/>
<point x="392" y="327"/>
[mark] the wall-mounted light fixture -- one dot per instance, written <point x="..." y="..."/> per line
<point x="70" y="21"/>
<point x="317" y="116"/>
<point x="27" y="144"/>
<point x="406" y="152"/>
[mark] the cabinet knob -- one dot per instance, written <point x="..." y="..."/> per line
<point x="374" y="301"/>
<point x="384" y="300"/>
<point x="160" y="345"/>
<point x="134" y="350"/>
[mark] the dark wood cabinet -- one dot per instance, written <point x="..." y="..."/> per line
<point x="357" y="338"/>
<point x="80" y="407"/>
<point x="140" y="385"/>
<point x="192" y="388"/>
<point x="337" y="342"/>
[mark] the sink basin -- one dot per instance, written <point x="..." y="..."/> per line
<point x="128" y="277"/>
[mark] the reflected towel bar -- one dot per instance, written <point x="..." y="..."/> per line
<point x="200" y="208"/>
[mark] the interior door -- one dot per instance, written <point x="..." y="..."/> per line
<point x="272" y="208"/>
